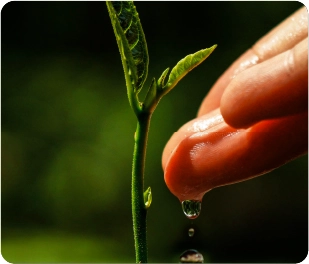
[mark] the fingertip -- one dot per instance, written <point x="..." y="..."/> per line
<point x="181" y="177"/>
<point x="194" y="155"/>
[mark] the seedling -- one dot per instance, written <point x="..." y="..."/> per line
<point x="134" y="55"/>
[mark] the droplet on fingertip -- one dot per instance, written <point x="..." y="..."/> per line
<point x="191" y="208"/>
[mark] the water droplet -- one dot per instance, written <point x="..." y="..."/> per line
<point x="191" y="256"/>
<point x="191" y="232"/>
<point x="191" y="208"/>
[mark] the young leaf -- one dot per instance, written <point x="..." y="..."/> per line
<point x="131" y="42"/>
<point x="162" y="78"/>
<point x="147" y="197"/>
<point x="185" y="65"/>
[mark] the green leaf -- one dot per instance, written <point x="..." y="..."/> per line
<point x="147" y="197"/>
<point x="131" y="42"/>
<point x="162" y="78"/>
<point x="185" y="65"/>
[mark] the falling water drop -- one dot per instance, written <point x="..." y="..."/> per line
<point x="191" y="256"/>
<point x="191" y="232"/>
<point x="191" y="208"/>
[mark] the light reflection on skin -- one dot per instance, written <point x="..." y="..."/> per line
<point x="195" y="149"/>
<point x="245" y="65"/>
<point x="202" y="125"/>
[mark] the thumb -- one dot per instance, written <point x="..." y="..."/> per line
<point x="207" y="153"/>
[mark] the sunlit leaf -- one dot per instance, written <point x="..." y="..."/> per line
<point x="185" y="65"/>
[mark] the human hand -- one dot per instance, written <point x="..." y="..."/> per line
<point x="254" y="119"/>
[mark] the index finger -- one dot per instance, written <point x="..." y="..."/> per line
<point x="283" y="37"/>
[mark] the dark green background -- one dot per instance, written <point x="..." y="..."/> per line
<point x="67" y="138"/>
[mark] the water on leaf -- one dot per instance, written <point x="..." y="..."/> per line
<point x="191" y="256"/>
<point x="191" y="208"/>
<point x="191" y="232"/>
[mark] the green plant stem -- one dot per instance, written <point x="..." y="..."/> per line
<point x="138" y="205"/>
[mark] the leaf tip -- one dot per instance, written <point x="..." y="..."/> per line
<point x="213" y="47"/>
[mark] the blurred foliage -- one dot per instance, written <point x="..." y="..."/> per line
<point x="67" y="138"/>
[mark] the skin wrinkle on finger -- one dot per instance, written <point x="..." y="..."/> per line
<point x="289" y="62"/>
<point x="299" y="58"/>
<point x="280" y="39"/>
